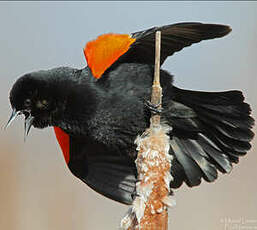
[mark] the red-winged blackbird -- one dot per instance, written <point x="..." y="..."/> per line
<point x="98" y="111"/>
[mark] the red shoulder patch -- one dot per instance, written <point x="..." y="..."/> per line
<point x="64" y="142"/>
<point x="102" y="52"/>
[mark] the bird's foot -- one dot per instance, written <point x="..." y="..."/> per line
<point x="154" y="109"/>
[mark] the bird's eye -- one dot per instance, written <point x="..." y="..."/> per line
<point x="27" y="102"/>
<point x="44" y="102"/>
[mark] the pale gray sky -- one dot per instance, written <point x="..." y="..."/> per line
<point x="37" y="190"/>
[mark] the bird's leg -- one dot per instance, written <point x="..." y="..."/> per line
<point x="154" y="109"/>
<point x="134" y="194"/>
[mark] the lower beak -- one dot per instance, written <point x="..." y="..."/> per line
<point x="27" y="125"/>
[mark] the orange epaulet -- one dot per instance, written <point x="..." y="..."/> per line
<point x="102" y="52"/>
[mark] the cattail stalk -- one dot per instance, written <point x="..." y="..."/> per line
<point x="149" y="209"/>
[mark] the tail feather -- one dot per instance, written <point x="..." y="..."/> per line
<point x="211" y="98"/>
<point x="234" y="122"/>
<point x="235" y="133"/>
<point x="222" y="132"/>
<point x="192" y="172"/>
<point x="194" y="150"/>
<point x="225" y="136"/>
<point x="220" y="159"/>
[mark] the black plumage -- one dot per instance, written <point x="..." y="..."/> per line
<point x="210" y="130"/>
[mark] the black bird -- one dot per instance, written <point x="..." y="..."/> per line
<point x="98" y="111"/>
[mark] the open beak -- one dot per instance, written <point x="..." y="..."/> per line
<point x="28" y="121"/>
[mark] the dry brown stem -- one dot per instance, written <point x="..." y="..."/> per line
<point x="149" y="210"/>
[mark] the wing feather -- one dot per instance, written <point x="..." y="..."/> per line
<point x="139" y="47"/>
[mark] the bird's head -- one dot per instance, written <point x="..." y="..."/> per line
<point x="41" y="97"/>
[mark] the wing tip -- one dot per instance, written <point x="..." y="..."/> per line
<point x="224" y="30"/>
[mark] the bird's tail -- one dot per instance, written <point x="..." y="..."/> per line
<point x="214" y="130"/>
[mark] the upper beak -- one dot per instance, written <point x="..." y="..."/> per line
<point x="14" y="114"/>
<point x="28" y="121"/>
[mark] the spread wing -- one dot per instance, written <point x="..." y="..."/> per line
<point x="210" y="132"/>
<point x="108" y="173"/>
<point x="139" y="47"/>
<point x="173" y="39"/>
